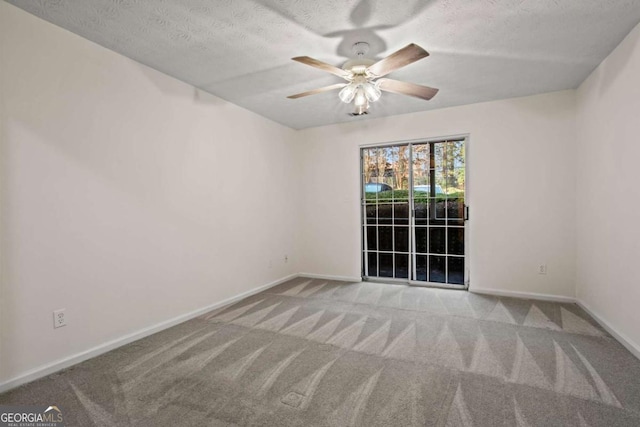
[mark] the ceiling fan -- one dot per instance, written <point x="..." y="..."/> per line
<point x="365" y="77"/>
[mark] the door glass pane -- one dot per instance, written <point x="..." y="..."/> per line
<point x="372" y="211"/>
<point x="421" y="268"/>
<point x="421" y="212"/>
<point x="437" y="268"/>
<point x="456" y="154"/>
<point x="402" y="266"/>
<point x="372" y="258"/>
<point x="385" y="265"/>
<point x="440" y="160"/>
<point x="385" y="238"/>
<point x="401" y="239"/>
<point x="385" y="213"/>
<point x="401" y="213"/>
<point x="456" y="168"/>
<point x="421" y="168"/>
<point x="437" y="243"/>
<point x="438" y="211"/>
<point x="455" y="241"/>
<point x="385" y="176"/>
<point x="421" y="239"/>
<point x="456" y="270"/>
<point x="372" y="238"/>
<point x="400" y="167"/>
<point x="455" y="212"/>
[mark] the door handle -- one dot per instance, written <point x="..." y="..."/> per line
<point x="466" y="213"/>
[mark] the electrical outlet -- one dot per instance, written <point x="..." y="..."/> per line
<point x="59" y="318"/>
<point x="542" y="269"/>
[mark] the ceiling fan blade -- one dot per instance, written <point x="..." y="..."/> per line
<point x="405" y="56"/>
<point x="323" y="66"/>
<point x="319" y="90"/>
<point x="405" y="88"/>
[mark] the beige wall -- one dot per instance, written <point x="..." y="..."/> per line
<point x="128" y="198"/>
<point x="521" y="171"/>
<point x="608" y="202"/>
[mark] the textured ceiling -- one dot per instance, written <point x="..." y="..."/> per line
<point x="240" y="50"/>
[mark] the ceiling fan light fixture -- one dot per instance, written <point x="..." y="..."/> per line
<point x="360" y="98"/>
<point x="372" y="91"/>
<point x="361" y="92"/>
<point x="348" y="93"/>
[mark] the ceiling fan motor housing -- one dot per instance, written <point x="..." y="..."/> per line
<point x="360" y="48"/>
<point x="359" y="64"/>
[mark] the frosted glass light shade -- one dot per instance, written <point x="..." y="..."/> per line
<point x="360" y="98"/>
<point x="348" y="93"/>
<point x="371" y="91"/>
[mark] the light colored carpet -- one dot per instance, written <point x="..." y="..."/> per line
<point x="315" y="352"/>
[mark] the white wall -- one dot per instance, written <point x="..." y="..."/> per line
<point x="122" y="198"/>
<point x="521" y="176"/>
<point x="128" y="197"/>
<point x="608" y="202"/>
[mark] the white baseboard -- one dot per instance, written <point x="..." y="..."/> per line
<point x="329" y="277"/>
<point x="58" y="365"/>
<point x="66" y="362"/>
<point x="525" y="295"/>
<point x="621" y="338"/>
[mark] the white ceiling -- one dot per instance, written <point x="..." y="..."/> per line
<point x="240" y="50"/>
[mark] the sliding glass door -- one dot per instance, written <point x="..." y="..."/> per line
<point x="413" y="213"/>
<point x="387" y="206"/>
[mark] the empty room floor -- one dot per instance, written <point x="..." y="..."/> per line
<point x="317" y="352"/>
